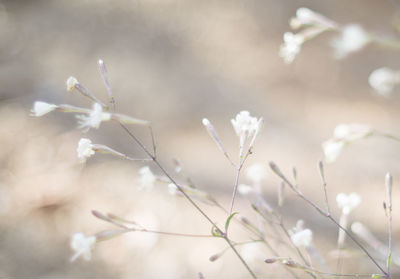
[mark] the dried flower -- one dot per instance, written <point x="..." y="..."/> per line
<point x="302" y="238"/>
<point x="42" y="108"/>
<point x="383" y="80"/>
<point x="147" y="178"/>
<point x="96" y="116"/>
<point x="291" y="46"/>
<point x="353" y="38"/>
<point x="85" y="149"/>
<point x="71" y="82"/>
<point x="82" y="245"/>
<point x="348" y="202"/>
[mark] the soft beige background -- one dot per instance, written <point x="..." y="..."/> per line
<point x="175" y="62"/>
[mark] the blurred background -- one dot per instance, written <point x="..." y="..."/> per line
<point x="174" y="62"/>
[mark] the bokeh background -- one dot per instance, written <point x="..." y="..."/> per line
<point x="173" y="63"/>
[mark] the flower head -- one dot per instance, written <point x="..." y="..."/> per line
<point x="94" y="119"/>
<point x="85" y="149"/>
<point x="82" y="245"/>
<point x="307" y="17"/>
<point x="332" y="149"/>
<point x="245" y="126"/>
<point x="348" y="202"/>
<point x="147" y="178"/>
<point x="383" y="80"/>
<point x="302" y="238"/>
<point x="42" y="108"/>
<point x="353" y="38"/>
<point x="291" y="46"/>
<point x="245" y="189"/>
<point x="71" y="82"/>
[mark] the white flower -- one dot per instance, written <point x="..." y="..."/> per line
<point x="244" y="189"/>
<point x="42" y="108"/>
<point x="332" y="149"/>
<point x="304" y="16"/>
<point x="343" y="134"/>
<point x="256" y="172"/>
<point x="82" y="245"/>
<point x="85" y="149"/>
<point x="302" y="238"/>
<point x="348" y="202"/>
<point x="94" y="119"/>
<point x="353" y="38"/>
<point x="351" y="132"/>
<point x="383" y="80"/>
<point x="245" y="125"/>
<point x="147" y="178"/>
<point x="71" y="82"/>
<point x="172" y="189"/>
<point x="291" y="46"/>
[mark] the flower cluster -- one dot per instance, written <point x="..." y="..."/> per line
<point x="348" y="203"/>
<point x="82" y="245"/>
<point x="352" y="38"/>
<point x="312" y="23"/>
<point x="301" y="237"/>
<point x="344" y="134"/>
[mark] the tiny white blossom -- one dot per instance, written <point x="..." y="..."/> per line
<point x="172" y="189"/>
<point x="304" y="16"/>
<point x="332" y="149"/>
<point x="245" y="125"/>
<point x="71" y="82"/>
<point x="82" y="245"/>
<point x="353" y="38"/>
<point x="147" y="178"/>
<point x="256" y="172"/>
<point x="94" y="119"/>
<point x="42" y="108"/>
<point x="244" y="189"/>
<point x="302" y="238"/>
<point x="383" y="80"/>
<point x="351" y="132"/>
<point x="291" y="46"/>
<point x="85" y="149"/>
<point x="348" y="202"/>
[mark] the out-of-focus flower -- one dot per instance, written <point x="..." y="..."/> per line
<point x="71" y="82"/>
<point x="307" y="17"/>
<point x="353" y="38"/>
<point x="244" y="189"/>
<point x="291" y="46"/>
<point x="94" y="119"/>
<point x="351" y="132"/>
<point x="82" y="245"/>
<point x="42" y="108"/>
<point x="147" y="178"/>
<point x="256" y="172"/>
<point x="332" y="149"/>
<point x="172" y="189"/>
<point x="383" y="80"/>
<point x="342" y="135"/>
<point x="348" y="202"/>
<point x="85" y="149"/>
<point x="302" y="238"/>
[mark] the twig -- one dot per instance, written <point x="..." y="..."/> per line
<point x="275" y="168"/>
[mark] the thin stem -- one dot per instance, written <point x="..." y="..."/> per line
<point x="275" y="168"/>
<point x="186" y="195"/>
<point x="240" y="257"/>
<point x="174" y="234"/>
<point x="235" y="188"/>
<point x="322" y="173"/>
